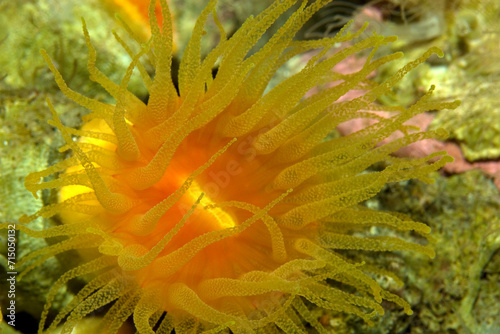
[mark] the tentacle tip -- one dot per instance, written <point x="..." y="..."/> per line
<point x="438" y="51"/>
<point x="390" y="39"/>
<point x="442" y="133"/>
<point x="431" y="253"/>
<point x="448" y="159"/>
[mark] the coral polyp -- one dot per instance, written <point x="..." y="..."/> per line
<point x="223" y="205"/>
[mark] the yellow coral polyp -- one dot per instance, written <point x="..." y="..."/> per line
<point x="221" y="206"/>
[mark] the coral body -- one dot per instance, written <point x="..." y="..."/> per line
<point x="137" y="11"/>
<point x="219" y="205"/>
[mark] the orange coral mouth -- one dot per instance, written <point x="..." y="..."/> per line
<point x="226" y="180"/>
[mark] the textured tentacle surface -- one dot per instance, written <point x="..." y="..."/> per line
<point x="221" y="206"/>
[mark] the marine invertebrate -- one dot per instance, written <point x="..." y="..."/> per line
<point x="137" y="11"/>
<point x="202" y="204"/>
